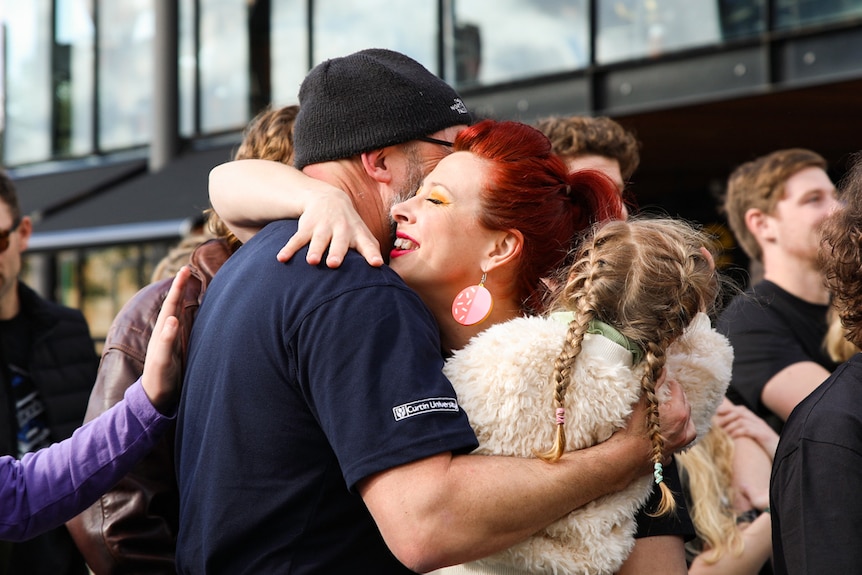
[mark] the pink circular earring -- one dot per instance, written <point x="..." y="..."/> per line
<point x="473" y="305"/>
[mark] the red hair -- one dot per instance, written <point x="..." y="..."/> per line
<point x="530" y="190"/>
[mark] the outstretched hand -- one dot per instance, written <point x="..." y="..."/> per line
<point x="161" y="370"/>
<point x="330" y="220"/>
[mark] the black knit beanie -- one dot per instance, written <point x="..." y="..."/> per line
<point x="367" y="101"/>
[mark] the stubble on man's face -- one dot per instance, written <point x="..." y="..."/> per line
<point x="417" y="169"/>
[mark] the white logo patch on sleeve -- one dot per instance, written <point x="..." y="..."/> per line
<point x="421" y="406"/>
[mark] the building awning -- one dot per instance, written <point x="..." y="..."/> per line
<point x="59" y="185"/>
<point x="117" y="204"/>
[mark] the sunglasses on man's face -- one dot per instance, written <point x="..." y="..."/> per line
<point x="4" y="235"/>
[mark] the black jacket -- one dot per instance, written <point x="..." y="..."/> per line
<point x="63" y="364"/>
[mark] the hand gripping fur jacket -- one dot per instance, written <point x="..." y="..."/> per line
<point x="503" y="381"/>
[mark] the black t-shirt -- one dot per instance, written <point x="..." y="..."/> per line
<point x="770" y="329"/>
<point x="24" y="418"/>
<point x="815" y="499"/>
<point x="678" y="523"/>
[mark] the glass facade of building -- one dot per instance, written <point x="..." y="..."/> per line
<point x="78" y="73"/>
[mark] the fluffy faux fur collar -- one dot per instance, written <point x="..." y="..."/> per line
<point x="503" y="381"/>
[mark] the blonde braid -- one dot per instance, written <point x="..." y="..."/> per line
<point x="578" y="290"/>
<point x="655" y="360"/>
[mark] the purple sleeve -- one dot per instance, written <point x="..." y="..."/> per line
<point x="49" y="486"/>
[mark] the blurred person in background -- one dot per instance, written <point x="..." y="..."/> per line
<point x="839" y="348"/>
<point x="133" y="527"/>
<point x="733" y="536"/>
<point x="774" y="206"/>
<point x="47" y="370"/>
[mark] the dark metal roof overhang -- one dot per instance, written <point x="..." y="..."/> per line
<point x="118" y="203"/>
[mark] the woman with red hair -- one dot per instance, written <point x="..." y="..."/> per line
<point x="489" y="230"/>
<point x="501" y="211"/>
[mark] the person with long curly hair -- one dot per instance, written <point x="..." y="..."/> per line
<point x="814" y="492"/>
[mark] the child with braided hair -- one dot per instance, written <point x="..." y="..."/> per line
<point x="642" y="282"/>
<point x="633" y="306"/>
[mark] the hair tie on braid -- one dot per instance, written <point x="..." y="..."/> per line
<point x="658" y="473"/>
<point x="561" y="416"/>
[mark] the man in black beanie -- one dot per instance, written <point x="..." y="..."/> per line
<point x="391" y="100"/>
<point x="316" y="432"/>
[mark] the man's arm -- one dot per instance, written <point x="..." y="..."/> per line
<point x="791" y="385"/>
<point x="661" y="554"/>
<point x="445" y="509"/>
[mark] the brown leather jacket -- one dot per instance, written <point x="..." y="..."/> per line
<point x="133" y="527"/>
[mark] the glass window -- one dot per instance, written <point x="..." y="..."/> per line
<point x="345" y="26"/>
<point x="98" y="281"/>
<point x="224" y="64"/>
<point x="187" y="67"/>
<point x="126" y="31"/>
<point x="109" y="278"/>
<point x="27" y="137"/>
<point x="796" y="13"/>
<point x="629" y="29"/>
<point x="289" y="49"/>
<point x="502" y="40"/>
<point x="741" y="18"/>
<point x="74" y="61"/>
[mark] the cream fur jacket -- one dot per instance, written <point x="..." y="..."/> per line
<point x="503" y="381"/>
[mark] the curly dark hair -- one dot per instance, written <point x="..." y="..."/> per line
<point x="841" y="253"/>
<point x="269" y="136"/>
<point x="601" y="136"/>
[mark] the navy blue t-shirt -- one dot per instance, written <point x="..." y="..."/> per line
<point x="301" y="381"/>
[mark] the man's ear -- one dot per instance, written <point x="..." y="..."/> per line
<point x="759" y="224"/>
<point x="377" y="165"/>
<point x="25" y="230"/>
<point x="506" y="248"/>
